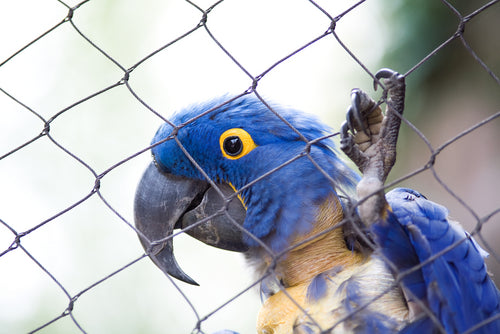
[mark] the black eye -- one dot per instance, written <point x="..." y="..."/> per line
<point x="233" y="145"/>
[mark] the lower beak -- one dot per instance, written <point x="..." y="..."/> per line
<point x="164" y="202"/>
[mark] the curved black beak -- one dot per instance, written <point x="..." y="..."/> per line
<point x="164" y="202"/>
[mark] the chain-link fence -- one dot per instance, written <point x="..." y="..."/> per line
<point x="84" y="86"/>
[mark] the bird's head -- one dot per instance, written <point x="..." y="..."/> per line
<point x="280" y="166"/>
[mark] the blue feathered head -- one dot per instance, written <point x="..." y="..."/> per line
<point x="242" y="141"/>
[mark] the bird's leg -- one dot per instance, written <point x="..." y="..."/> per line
<point x="368" y="138"/>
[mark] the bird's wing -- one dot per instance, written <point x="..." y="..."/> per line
<point x="438" y="263"/>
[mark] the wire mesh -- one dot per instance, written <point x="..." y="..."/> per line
<point x="84" y="86"/>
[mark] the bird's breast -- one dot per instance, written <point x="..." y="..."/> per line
<point x="322" y="249"/>
<point x="351" y="297"/>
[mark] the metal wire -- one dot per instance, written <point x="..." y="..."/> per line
<point x="26" y="239"/>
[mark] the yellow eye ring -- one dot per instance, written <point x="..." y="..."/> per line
<point x="236" y="143"/>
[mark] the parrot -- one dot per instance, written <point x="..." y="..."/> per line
<point x="332" y="252"/>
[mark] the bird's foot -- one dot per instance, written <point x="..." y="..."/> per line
<point x="368" y="138"/>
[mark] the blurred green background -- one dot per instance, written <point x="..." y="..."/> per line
<point x="446" y="95"/>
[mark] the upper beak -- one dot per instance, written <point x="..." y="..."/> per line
<point x="164" y="202"/>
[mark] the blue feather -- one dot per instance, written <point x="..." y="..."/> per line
<point x="394" y="243"/>
<point x="420" y="326"/>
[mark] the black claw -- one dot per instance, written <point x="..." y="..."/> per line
<point x="344" y="130"/>
<point x="356" y="111"/>
<point x="384" y="73"/>
<point x="345" y="139"/>
<point x="348" y="120"/>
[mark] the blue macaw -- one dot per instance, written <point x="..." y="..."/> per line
<point x="265" y="180"/>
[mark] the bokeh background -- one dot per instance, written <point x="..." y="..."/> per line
<point x="80" y="240"/>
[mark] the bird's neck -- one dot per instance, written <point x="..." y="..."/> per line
<point x="321" y="249"/>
